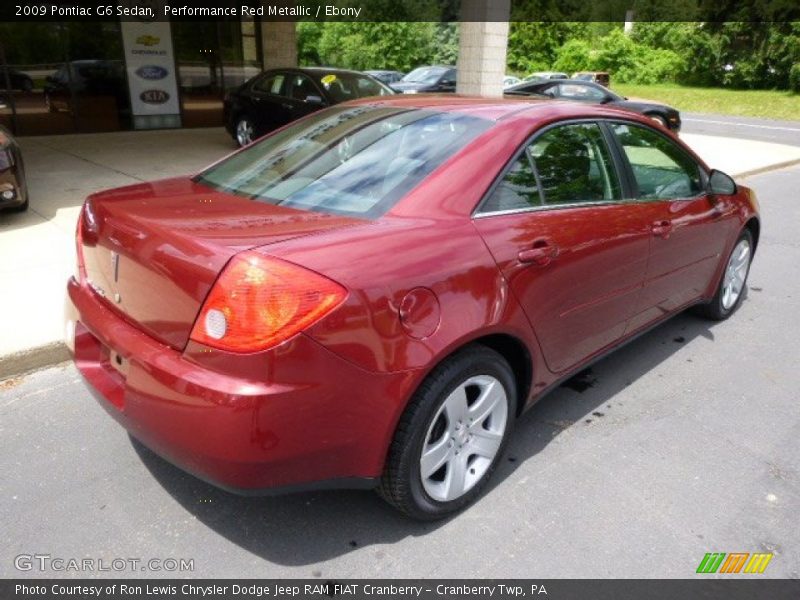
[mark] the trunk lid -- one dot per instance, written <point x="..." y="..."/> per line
<point x="152" y="251"/>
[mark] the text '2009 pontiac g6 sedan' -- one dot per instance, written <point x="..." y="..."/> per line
<point x="370" y="296"/>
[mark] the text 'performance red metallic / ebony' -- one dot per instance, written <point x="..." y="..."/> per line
<point x="370" y="296"/>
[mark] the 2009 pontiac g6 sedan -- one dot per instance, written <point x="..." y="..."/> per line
<point x="370" y="296"/>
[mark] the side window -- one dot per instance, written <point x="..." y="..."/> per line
<point x="271" y="84"/>
<point x="302" y="87"/>
<point x="662" y="170"/>
<point x="575" y="165"/>
<point x="517" y="189"/>
<point x="575" y="91"/>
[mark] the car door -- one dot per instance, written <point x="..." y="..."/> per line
<point x="690" y="229"/>
<point x="270" y="106"/>
<point x="304" y="95"/>
<point x="447" y="83"/>
<point x="572" y="248"/>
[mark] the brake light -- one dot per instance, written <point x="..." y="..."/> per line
<point x="258" y="302"/>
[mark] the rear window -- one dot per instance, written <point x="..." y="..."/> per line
<point x="357" y="161"/>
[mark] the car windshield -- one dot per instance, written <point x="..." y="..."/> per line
<point x="349" y="86"/>
<point x="424" y="75"/>
<point x="353" y="160"/>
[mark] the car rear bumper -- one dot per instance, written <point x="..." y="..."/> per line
<point x="308" y="419"/>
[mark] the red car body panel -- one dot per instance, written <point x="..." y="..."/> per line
<point x="423" y="280"/>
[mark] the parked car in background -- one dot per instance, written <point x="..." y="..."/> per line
<point x="18" y="80"/>
<point x="371" y="296"/>
<point x="600" y="77"/>
<point x="540" y="75"/>
<point x="88" y="79"/>
<point x="13" y="187"/>
<point x="586" y="91"/>
<point x="437" y="78"/>
<point x="386" y="77"/>
<point x="510" y="80"/>
<point x="280" y="96"/>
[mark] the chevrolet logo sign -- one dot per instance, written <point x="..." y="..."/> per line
<point x="148" y="40"/>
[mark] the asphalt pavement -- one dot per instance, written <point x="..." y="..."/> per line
<point x="686" y="441"/>
<point x="745" y="128"/>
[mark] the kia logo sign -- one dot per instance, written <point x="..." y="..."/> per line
<point x="154" y="96"/>
<point x="152" y="72"/>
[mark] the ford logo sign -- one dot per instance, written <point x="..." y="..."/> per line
<point x="151" y="72"/>
<point x="154" y="96"/>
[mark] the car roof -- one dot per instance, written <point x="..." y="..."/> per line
<point x="499" y="109"/>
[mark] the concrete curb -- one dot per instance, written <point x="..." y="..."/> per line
<point x="47" y="355"/>
<point x="32" y="359"/>
<point x="768" y="168"/>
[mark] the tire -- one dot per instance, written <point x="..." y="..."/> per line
<point x="461" y="457"/>
<point x="21" y="208"/>
<point x="723" y="305"/>
<point x="244" y="131"/>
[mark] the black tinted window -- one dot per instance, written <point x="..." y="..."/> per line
<point x="271" y="84"/>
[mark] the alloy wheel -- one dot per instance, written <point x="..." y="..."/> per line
<point x="735" y="274"/>
<point x="244" y="132"/>
<point x="463" y="438"/>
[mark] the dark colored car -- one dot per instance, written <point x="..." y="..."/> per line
<point x="280" y="96"/>
<point x="371" y="296"/>
<point x="586" y="91"/>
<point x="13" y="188"/>
<point x="17" y="79"/>
<point x="600" y="77"/>
<point x="427" y="80"/>
<point x="386" y="77"/>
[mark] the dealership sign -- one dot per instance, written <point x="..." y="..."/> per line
<point x="150" y="64"/>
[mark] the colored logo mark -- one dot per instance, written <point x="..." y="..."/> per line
<point x="154" y="96"/>
<point x="148" y="40"/>
<point x="151" y="72"/>
<point x="736" y="562"/>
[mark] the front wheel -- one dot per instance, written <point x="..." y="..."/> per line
<point x="734" y="280"/>
<point x="245" y="131"/>
<point x="451" y="436"/>
<point x="660" y="120"/>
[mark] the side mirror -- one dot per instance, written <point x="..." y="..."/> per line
<point x="314" y="100"/>
<point x="721" y="184"/>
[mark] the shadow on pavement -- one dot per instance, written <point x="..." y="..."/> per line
<point x="304" y="529"/>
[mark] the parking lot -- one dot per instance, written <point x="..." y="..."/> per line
<point x="686" y="441"/>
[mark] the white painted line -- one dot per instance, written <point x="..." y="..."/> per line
<point x="729" y="123"/>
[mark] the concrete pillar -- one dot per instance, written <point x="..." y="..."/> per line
<point x="278" y="44"/>
<point x="483" y="41"/>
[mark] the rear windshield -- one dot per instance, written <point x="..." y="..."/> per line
<point x="356" y="161"/>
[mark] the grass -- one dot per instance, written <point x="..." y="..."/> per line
<point x="768" y="104"/>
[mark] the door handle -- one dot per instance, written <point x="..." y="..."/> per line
<point x="541" y="253"/>
<point x="287" y="105"/>
<point x="662" y="228"/>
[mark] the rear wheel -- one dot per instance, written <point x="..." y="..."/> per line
<point x="451" y="436"/>
<point x="244" y="131"/>
<point x="734" y="280"/>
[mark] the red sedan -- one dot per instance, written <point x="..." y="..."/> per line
<point x="370" y="296"/>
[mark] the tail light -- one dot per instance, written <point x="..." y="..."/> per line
<point x="259" y="302"/>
